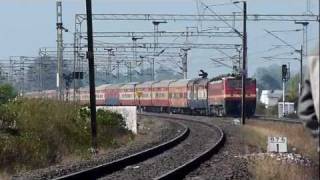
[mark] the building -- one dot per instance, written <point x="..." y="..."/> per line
<point x="270" y="97"/>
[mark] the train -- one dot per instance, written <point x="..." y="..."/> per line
<point x="219" y="96"/>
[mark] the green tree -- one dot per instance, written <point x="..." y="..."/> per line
<point x="7" y="92"/>
<point x="293" y="88"/>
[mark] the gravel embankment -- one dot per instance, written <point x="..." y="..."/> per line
<point x="200" y="139"/>
<point x="150" y="133"/>
<point x="225" y="164"/>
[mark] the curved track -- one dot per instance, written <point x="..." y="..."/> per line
<point x="170" y="160"/>
<point x="175" y="163"/>
<point x="107" y="168"/>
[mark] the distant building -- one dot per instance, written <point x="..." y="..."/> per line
<point x="270" y="97"/>
<point x="288" y="109"/>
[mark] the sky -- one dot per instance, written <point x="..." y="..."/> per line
<point x="27" y="25"/>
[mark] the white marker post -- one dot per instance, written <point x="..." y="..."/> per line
<point x="277" y="144"/>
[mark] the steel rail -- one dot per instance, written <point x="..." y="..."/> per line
<point x="107" y="168"/>
<point x="181" y="171"/>
<point x="273" y="119"/>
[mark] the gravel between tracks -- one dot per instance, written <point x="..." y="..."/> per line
<point x="200" y="139"/>
<point x="150" y="133"/>
<point x="224" y="164"/>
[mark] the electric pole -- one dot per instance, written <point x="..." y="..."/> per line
<point x="129" y="66"/>
<point x="301" y="68"/>
<point x="156" y="42"/>
<point x="90" y="56"/>
<point x="185" y="62"/>
<point x="142" y="67"/>
<point x="59" y="51"/>
<point x="118" y="71"/>
<point x="109" y="65"/>
<point x="244" y="63"/>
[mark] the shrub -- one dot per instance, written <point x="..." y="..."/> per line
<point x="7" y="92"/>
<point x="47" y="131"/>
<point x="109" y="125"/>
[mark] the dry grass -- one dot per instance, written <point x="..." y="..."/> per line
<point x="272" y="169"/>
<point x="298" y="136"/>
<point x="4" y="176"/>
<point x="255" y="139"/>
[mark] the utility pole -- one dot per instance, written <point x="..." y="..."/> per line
<point x="40" y="75"/>
<point x="74" y="66"/>
<point x="156" y="42"/>
<point x="22" y="79"/>
<point x="129" y="66"/>
<point x="90" y="56"/>
<point x="185" y="62"/>
<point x="303" y="51"/>
<point x="301" y="68"/>
<point x="244" y="64"/>
<point x="142" y="67"/>
<point x="134" y="51"/>
<point x="109" y="66"/>
<point x="59" y="51"/>
<point x="118" y="71"/>
<point x="305" y="36"/>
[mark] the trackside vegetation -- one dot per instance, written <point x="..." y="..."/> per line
<point x="38" y="133"/>
<point x="7" y="92"/>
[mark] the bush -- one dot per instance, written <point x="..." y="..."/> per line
<point x="47" y="131"/>
<point x="110" y="125"/>
<point x="7" y="92"/>
<point x="7" y="120"/>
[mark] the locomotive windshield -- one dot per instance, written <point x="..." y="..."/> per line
<point x="234" y="83"/>
<point x="237" y="83"/>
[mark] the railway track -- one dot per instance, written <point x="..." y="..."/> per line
<point x="170" y="160"/>
<point x="284" y="120"/>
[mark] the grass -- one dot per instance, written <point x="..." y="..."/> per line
<point x="270" y="169"/>
<point x="38" y="133"/>
<point x="262" y="110"/>
<point x="299" y="141"/>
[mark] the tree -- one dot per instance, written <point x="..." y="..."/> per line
<point x="7" y="92"/>
<point x="293" y="88"/>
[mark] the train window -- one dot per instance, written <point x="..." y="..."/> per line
<point x="234" y="83"/>
<point x="238" y="83"/>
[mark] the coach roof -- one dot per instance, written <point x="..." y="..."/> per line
<point x="180" y="82"/>
<point x="147" y="84"/>
<point x="163" y="83"/>
<point x="129" y="85"/>
<point x="102" y="87"/>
